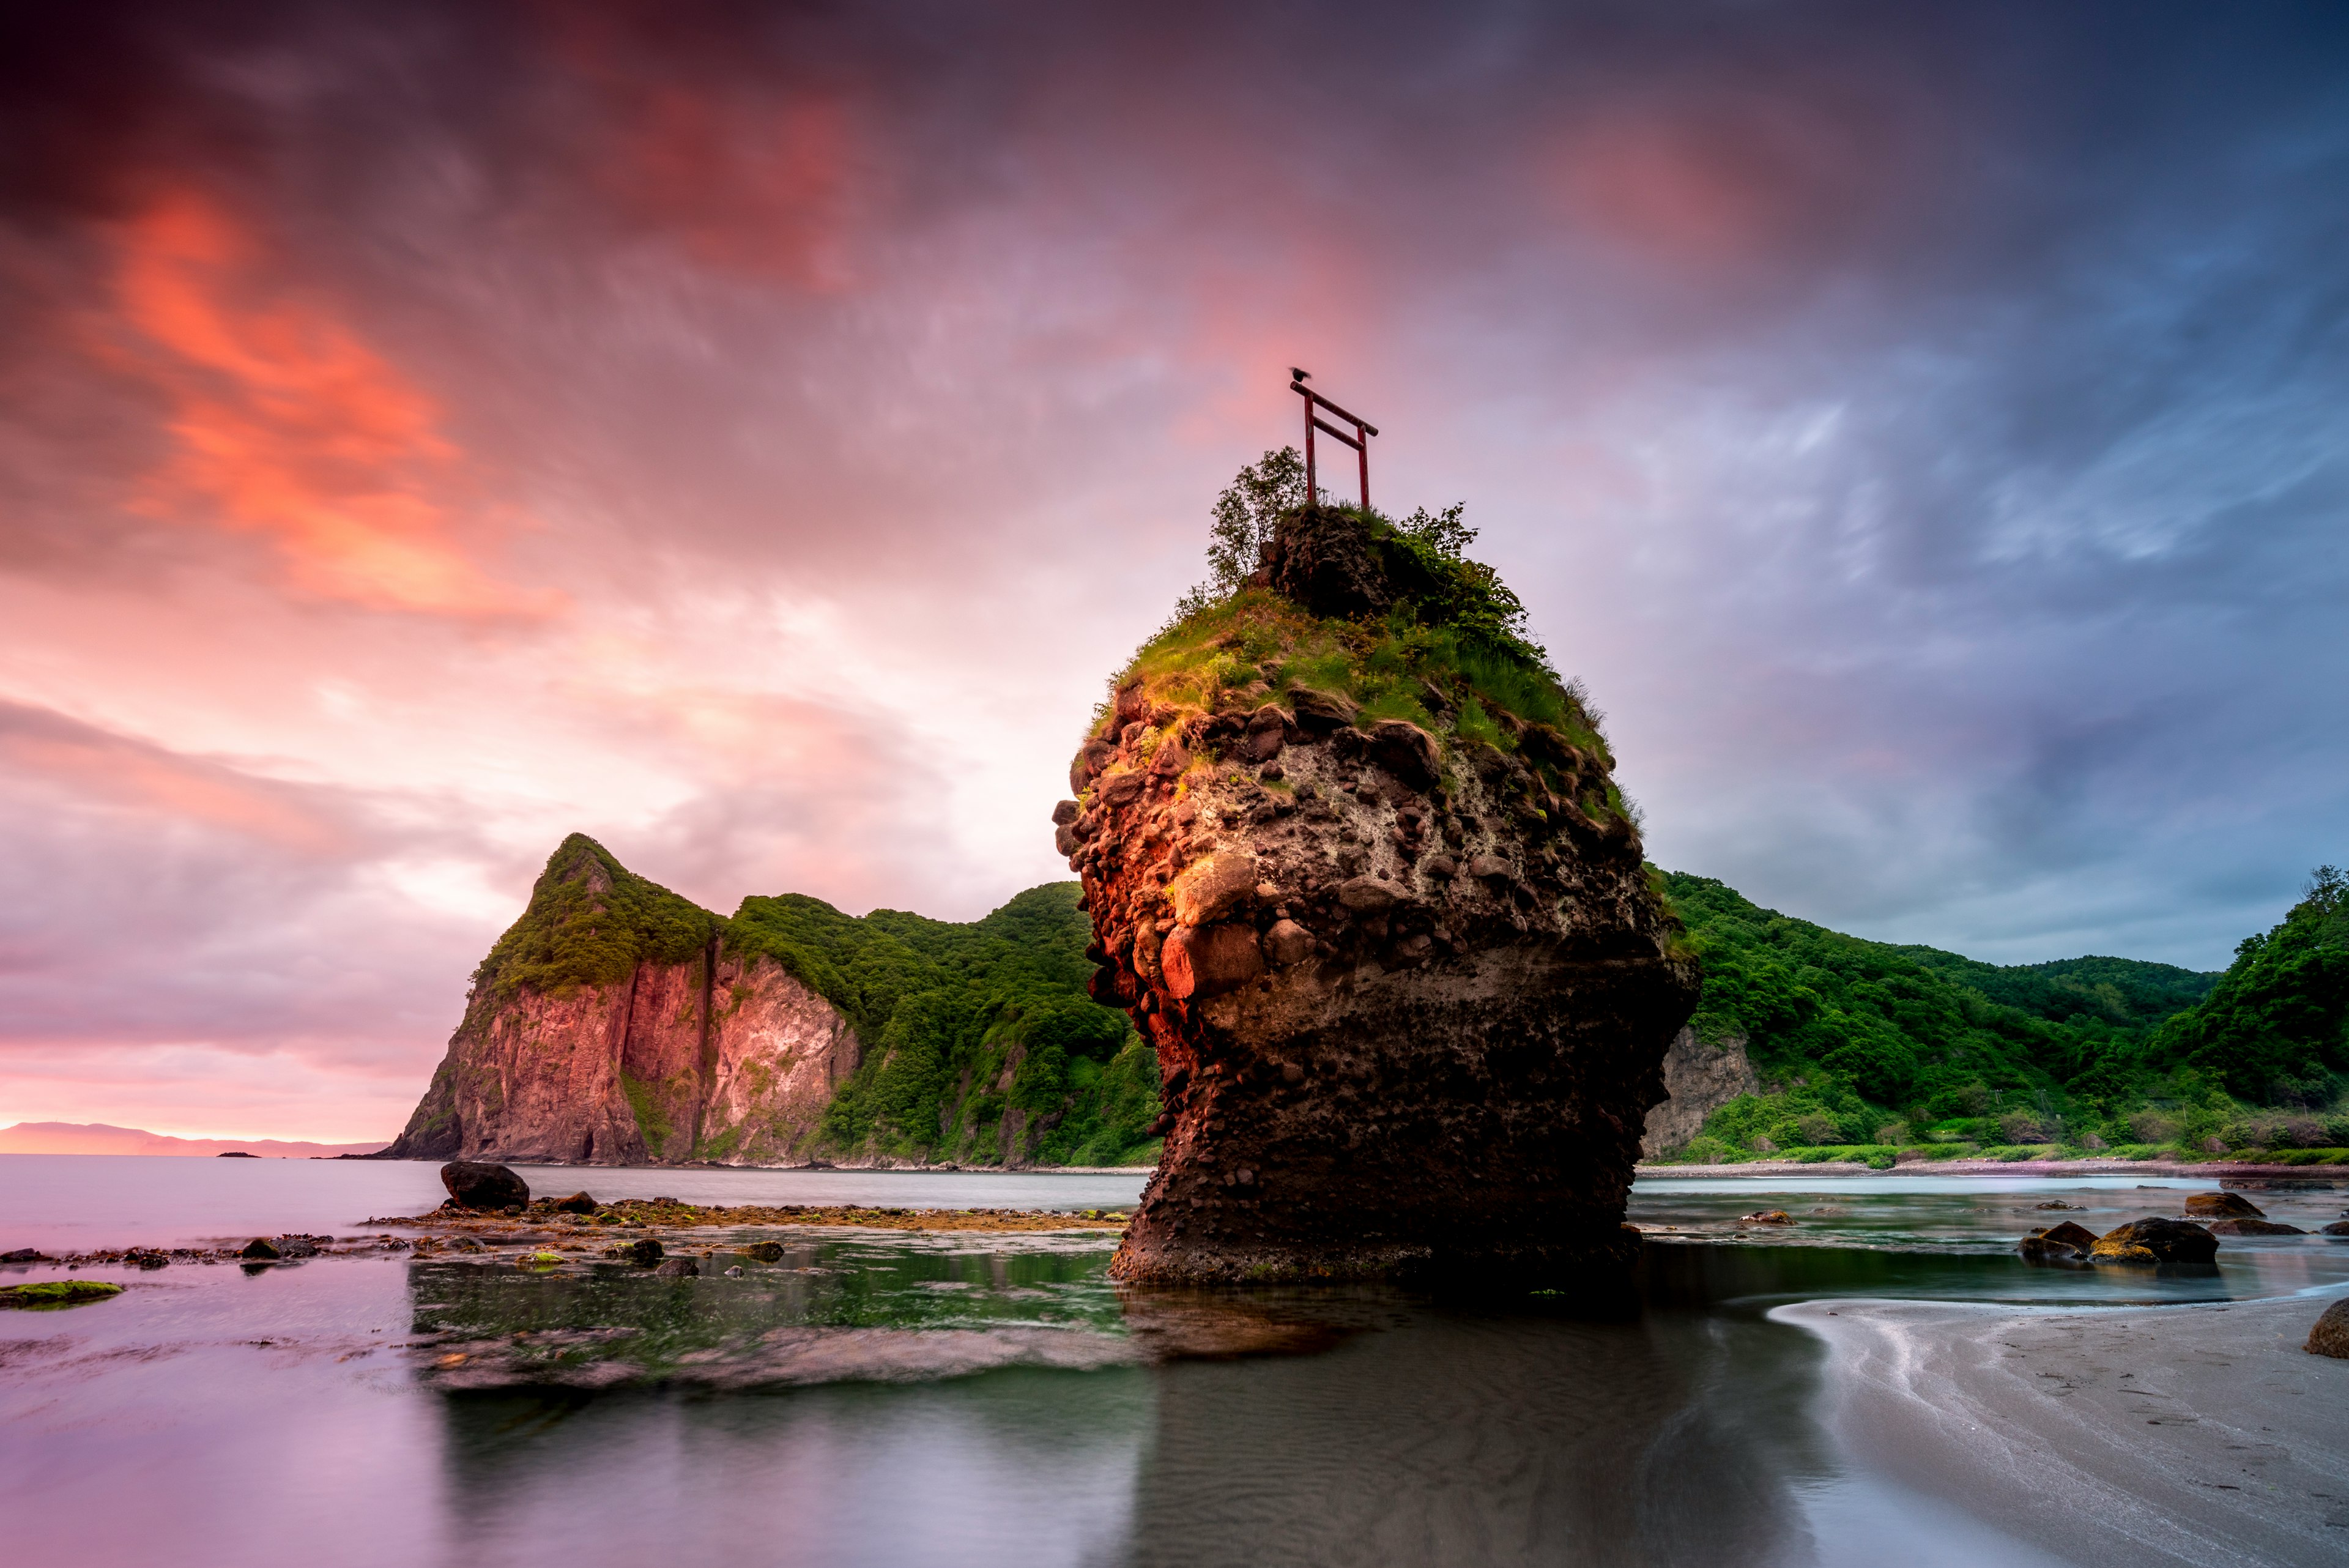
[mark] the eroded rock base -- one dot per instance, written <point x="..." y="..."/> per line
<point x="1446" y="1120"/>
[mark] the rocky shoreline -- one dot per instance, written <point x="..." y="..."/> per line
<point x="605" y="1229"/>
<point x="655" y="1214"/>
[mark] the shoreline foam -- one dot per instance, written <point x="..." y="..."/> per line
<point x="2200" y="1434"/>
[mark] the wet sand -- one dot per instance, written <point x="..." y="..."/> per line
<point x="2194" y="1434"/>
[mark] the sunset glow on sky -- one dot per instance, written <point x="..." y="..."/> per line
<point x="751" y="434"/>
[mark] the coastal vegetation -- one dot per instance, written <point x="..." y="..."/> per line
<point x="970" y="1029"/>
<point x="1883" y="1053"/>
<point x="591" y="920"/>
<point x="1444" y="643"/>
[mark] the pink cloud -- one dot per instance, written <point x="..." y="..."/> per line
<point x="287" y="425"/>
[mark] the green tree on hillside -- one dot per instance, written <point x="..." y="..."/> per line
<point x="1246" y="514"/>
<point x="2275" y="1028"/>
<point x="1931" y="1045"/>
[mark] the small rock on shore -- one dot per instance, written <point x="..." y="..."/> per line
<point x="2330" y="1334"/>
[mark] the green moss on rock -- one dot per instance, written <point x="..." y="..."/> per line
<point x="58" y="1293"/>
<point x="1354" y="617"/>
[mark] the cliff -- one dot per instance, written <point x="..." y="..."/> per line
<point x="1358" y="867"/>
<point x="617" y="1022"/>
<point x="610" y="1026"/>
<point x="1699" y="1077"/>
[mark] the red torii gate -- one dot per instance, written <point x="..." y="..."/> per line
<point x="1360" y="441"/>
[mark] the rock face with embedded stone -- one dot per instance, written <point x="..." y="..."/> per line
<point x="1372" y="1064"/>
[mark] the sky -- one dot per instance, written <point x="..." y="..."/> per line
<point x="752" y="434"/>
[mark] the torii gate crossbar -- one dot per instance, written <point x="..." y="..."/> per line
<point x="1360" y="441"/>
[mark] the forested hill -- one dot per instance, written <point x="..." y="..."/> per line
<point x="965" y="1023"/>
<point x="1869" y="1047"/>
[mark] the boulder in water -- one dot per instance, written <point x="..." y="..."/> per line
<point x="2156" y="1240"/>
<point x="2064" y="1243"/>
<point x="477" y="1184"/>
<point x="2224" y="1206"/>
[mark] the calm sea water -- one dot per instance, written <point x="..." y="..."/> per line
<point x="62" y="1202"/>
<point x="981" y="1399"/>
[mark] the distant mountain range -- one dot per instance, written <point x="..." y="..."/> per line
<point x="95" y="1138"/>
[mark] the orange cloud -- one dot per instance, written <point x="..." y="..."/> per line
<point x="288" y="425"/>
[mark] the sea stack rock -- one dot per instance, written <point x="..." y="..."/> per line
<point x="1357" y="866"/>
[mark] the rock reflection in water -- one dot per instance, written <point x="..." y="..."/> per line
<point x="1463" y="1433"/>
<point x="821" y="1312"/>
<point x="1356" y="1424"/>
<point x="1019" y="1467"/>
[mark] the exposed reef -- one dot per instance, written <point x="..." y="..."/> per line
<point x="1367" y="887"/>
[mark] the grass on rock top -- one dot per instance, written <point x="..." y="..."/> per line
<point x="1254" y="646"/>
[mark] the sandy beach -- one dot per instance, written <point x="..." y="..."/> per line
<point x="2198" y="1435"/>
